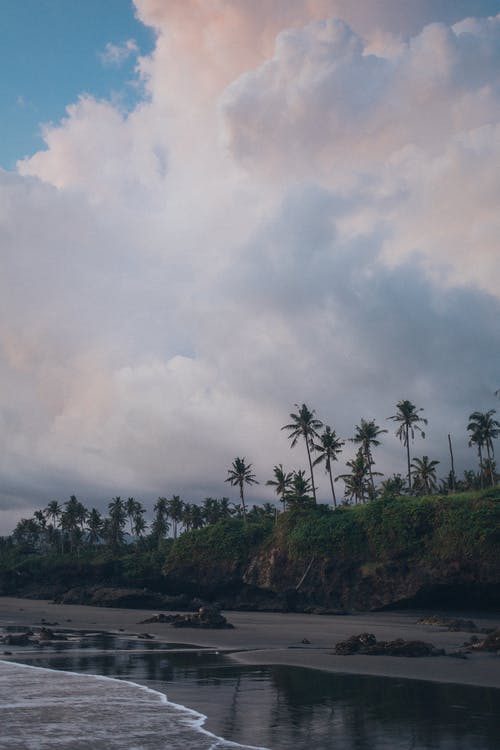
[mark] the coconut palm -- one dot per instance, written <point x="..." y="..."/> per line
<point x="94" y="527"/>
<point x="393" y="486"/>
<point x="424" y="475"/>
<point x="484" y="430"/>
<point x="132" y="508"/>
<point x="240" y="474"/>
<point x="117" y="518"/>
<point x="160" y="525"/>
<point x="366" y="436"/>
<point x="409" y="423"/>
<point x="54" y="511"/>
<point x="304" y="425"/>
<point x="72" y="521"/>
<point x="281" y="482"/>
<point x="357" y="483"/>
<point x="299" y="492"/>
<point x="328" y="447"/>
<point x="139" y="525"/>
<point x="175" y="508"/>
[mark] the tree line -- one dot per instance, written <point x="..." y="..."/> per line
<point x="70" y="526"/>
<point x="324" y="446"/>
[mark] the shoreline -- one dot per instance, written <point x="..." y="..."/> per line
<point x="270" y="638"/>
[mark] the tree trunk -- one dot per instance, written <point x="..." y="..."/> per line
<point x="408" y="457"/>
<point x="452" y="464"/>
<point x="333" y="489"/>
<point x="243" y="502"/>
<point x="480" y="465"/>
<point x="311" y="469"/>
<point x="369" y="462"/>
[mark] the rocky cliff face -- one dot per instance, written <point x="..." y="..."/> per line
<point x="273" y="580"/>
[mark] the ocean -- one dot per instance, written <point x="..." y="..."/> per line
<point x="107" y="691"/>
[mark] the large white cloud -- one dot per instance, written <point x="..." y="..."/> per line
<point x="296" y="211"/>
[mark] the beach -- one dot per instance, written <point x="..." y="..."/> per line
<point x="277" y="638"/>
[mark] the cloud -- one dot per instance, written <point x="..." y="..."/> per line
<point x="116" y="54"/>
<point x="301" y="208"/>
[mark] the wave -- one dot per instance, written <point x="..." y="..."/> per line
<point x="44" y="708"/>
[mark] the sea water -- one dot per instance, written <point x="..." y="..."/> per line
<point x="42" y="708"/>
<point x="277" y="707"/>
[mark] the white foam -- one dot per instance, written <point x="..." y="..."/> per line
<point x="43" y="708"/>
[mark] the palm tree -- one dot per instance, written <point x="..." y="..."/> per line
<point x="160" y="526"/>
<point x="367" y="433"/>
<point x="424" y="475"/>
<point x="357" y="483"/>
<point x="240" y="474"/>
<point x="484" y="430"/>
<point x="72" y="520"/>
<point x="329" y="448"/>
<point x="118" y="518"/>
<point x="281" y="482"/>
<point x="94" y="527"/>
<point x="175" y="508"/>
<point x="54" y="511"/>
<point x="305" y="425"/>
<point x="139" y="524"/>
<point x="408" y="418"/>
<point x="300" y="489"/>
<point x="132" y="508"/>
<point x="393" y="486"/>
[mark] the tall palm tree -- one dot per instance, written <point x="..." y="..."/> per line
<point x="484" y="430"/>
<point x="94" y="527"/>
<point x="72" y="521"/>
<point x="139" y="525"/>
<point x="393" y="486"/>
<point x="357" y="483"/>
<point x="329" y="447"/>
<point x="300" y="489"/>
<point x="304" y="425"/>
<point x="424" y="475"/>
<point x="160" y="525"/>
<point x="53" y="511"/>
<point x="281" y="482"/>
<point x="366" y="436"/>
<point x="240" y="474"/>
<point x="409" y="423"/>
<point x="132" y="508"/>
<point x="175" y="508"/>
<point x="118" y="518"/>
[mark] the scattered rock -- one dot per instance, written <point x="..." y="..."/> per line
<point x="17" y="639"/>
<point x="305" y="640"/>
<point x="46" y="634"/>
<point x="490" y="643"/>
<point x="355" y="644"/>
<point x="206" y="617"/>
<point x="366" y="643"/>
<point x="452" y="623"/>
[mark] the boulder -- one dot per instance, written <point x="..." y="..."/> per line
<point x="366" y="643"/>
<point x="490" y="643"/>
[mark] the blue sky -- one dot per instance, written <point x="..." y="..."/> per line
<point x="301" y="206"/>
<point x="50" y="53"/>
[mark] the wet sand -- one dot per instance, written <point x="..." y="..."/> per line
<point x="275" y="638"/>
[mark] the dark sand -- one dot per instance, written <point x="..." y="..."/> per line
<point x="275" y="638"/>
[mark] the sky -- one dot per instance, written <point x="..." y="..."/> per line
<point x="211" y="210"/>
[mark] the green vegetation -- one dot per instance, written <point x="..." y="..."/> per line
<point x="414" y="522"/>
